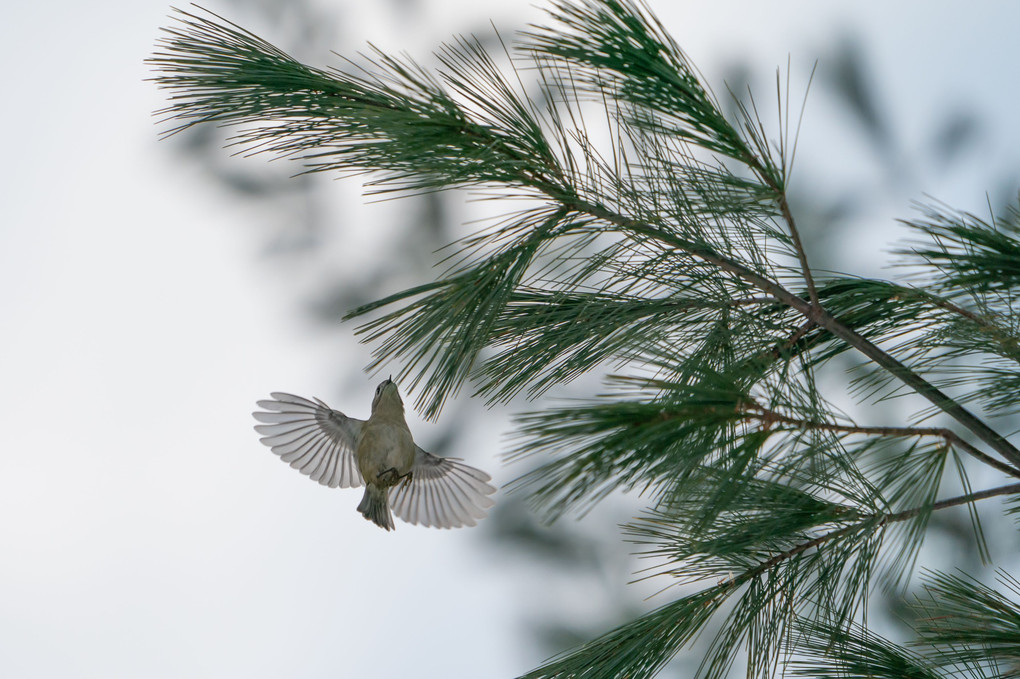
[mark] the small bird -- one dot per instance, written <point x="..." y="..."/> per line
<point x="341" y="451"/>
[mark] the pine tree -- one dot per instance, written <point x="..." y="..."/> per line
<point x="648" y="235"/>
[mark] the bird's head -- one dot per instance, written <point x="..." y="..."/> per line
<point x="386" y="396"/>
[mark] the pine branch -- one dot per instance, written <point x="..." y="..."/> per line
<point x="784" y="207"/>
<point x="769" y="417"/>
<point x="822" y="318"/>
<point x="675" y="254"/>
<point x="400" y="122"/>
<point x="639" y="649"/>
<point x="967" y="623"/>
<point x="226" y="74"/>
<point x="826" y="651"/>
<point x="873" y="521"/>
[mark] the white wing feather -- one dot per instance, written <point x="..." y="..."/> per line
<point x="442" y="492"/>
<point x="312" y="437"/>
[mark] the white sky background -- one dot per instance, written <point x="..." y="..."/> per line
<point x="144" y="531"/>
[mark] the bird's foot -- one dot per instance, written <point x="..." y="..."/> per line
<point x="391" y="477"/>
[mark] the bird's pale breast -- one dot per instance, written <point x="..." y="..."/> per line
<point x="384" y="445"/>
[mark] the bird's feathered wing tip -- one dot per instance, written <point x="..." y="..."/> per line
<point x="311" y="437"/>
<point x="442" y="493"/>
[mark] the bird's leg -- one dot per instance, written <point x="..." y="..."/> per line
<point x="390" y="477"/>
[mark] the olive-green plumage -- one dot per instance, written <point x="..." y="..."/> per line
<point x="400" y="478"/>
<point x="384" y="451"/>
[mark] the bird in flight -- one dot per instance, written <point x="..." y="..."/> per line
<point x="379" y="453"/>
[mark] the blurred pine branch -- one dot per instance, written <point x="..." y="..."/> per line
<point x="657" y="241"/>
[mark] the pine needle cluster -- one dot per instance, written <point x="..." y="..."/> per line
<point x="658" y="245"/>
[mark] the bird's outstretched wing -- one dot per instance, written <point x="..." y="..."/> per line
<point x="442" y="492"/>
<point x="312" y="437"/>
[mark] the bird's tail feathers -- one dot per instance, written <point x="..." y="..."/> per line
<point x="375" y="506"/>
